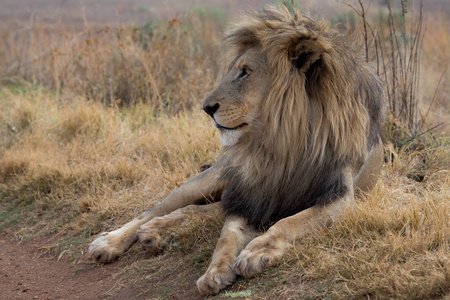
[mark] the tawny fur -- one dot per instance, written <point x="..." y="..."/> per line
<point x="316" y="118"/>
<point x="299" y="113"/>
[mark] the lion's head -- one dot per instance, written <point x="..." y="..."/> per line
<point x="298" y="104"/>
<point x="234" y="105"/>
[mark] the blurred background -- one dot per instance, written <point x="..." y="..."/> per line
<point x="72" y="13"/>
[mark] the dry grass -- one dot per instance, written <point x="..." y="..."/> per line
<point x="167" y="65"/>
<point x="395" y="244"/>
<point x="75" y="161"/>
<point x="93" y="160"/>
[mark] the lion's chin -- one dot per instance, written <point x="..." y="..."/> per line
<point x="229" y="137"/>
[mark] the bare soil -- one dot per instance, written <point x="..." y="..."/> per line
<point x="24" y="274"/>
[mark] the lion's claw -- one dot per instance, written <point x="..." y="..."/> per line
<point x="110" y="245"/>
<point x="259" y="254"/>
<point x="248" y="264"/>
<point x="151" y="241"/>
<point x="152" y="236"/>
<point x="215" y="280"/>
<point x="102" y="251"/>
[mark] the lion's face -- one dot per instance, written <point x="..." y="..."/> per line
<point x="234" y="104"/>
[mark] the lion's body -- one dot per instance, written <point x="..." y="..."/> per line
<point x="299" y="114"/>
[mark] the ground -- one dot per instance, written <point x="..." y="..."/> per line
<point x="25" y="274"/>
<point x="28" y="271"/>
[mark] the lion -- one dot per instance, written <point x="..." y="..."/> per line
<point x="299" y="115"/>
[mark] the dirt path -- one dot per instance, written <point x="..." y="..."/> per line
<point x="25" y="275"/>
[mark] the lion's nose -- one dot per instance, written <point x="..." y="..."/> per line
<point x="210" y="110"/>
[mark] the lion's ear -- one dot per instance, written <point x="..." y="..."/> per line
<point x="305" y="55"/>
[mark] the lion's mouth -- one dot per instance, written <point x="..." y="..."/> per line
<point x="218" y="126"/>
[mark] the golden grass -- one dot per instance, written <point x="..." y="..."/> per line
<point x="75" y="161"/>
<point x="395" y="244"/>
<point x="97" y="160"/>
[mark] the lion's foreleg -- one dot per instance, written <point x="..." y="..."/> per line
<point x="110" y="245"/>
<point x="157" y="233"/>
<point x="235" y="235"/>
<point x="268" y="248"/>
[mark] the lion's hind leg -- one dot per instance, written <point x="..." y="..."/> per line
<point x="235" y="235"/>
<point x="156" y="234"/>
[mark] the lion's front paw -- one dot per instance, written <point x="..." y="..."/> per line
<point x="153" y="237"/>
<point x="259" y="254"/>
<point x="214" y="280"/>
<point x="109" y="245"/>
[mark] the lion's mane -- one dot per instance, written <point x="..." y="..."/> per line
<point x="311" y="125"/>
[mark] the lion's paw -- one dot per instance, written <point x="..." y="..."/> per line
<point x="108" y="246"/>
<point x="257" y="256"/>
<point x="215" y="280"/>
<point x="153" y="237"/>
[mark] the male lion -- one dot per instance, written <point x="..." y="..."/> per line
<point x="299" y="114"/>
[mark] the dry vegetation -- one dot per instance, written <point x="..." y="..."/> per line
<point x="98" y="126"/>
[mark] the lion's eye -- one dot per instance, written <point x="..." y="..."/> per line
<point x="245" y="72"/>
